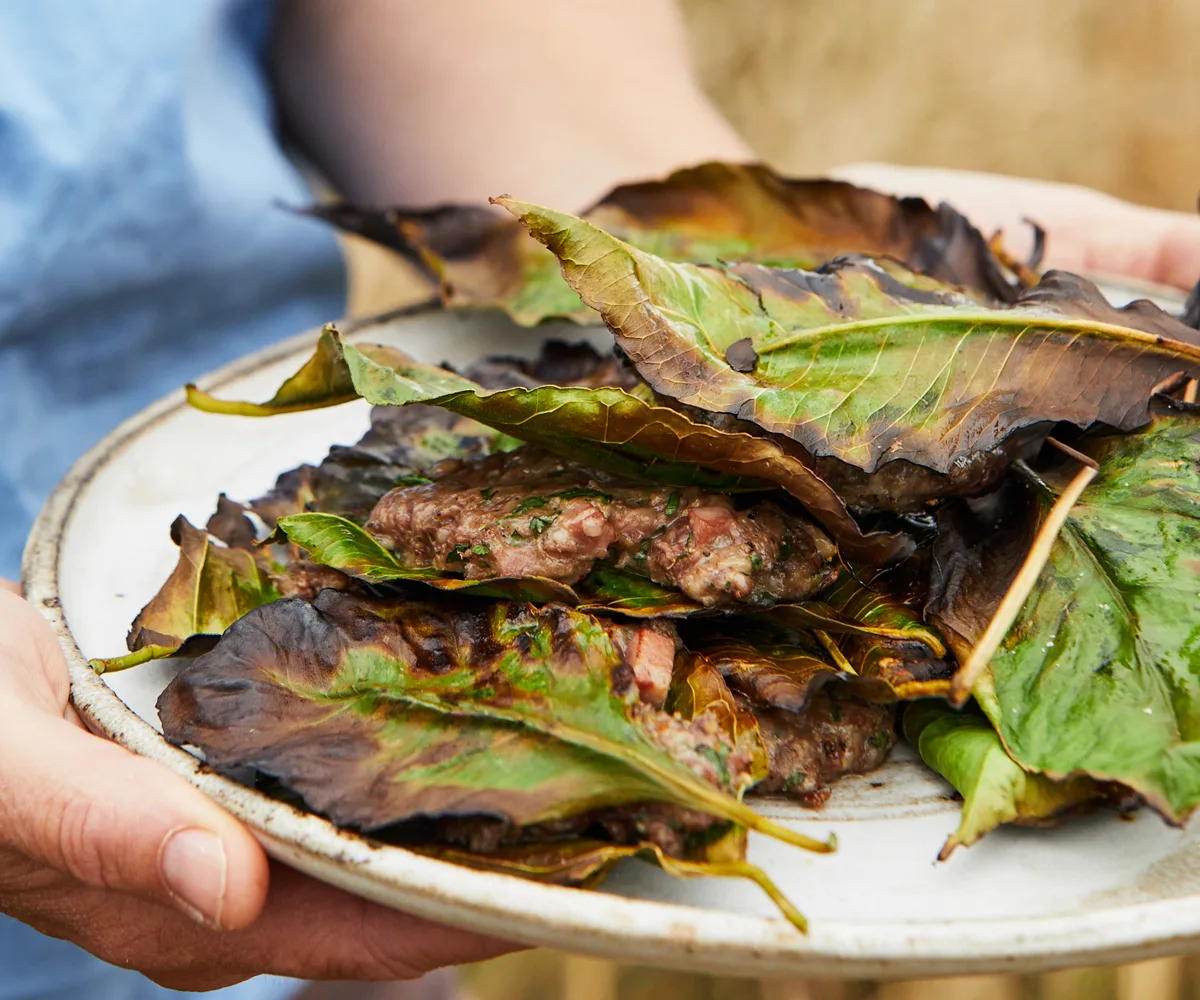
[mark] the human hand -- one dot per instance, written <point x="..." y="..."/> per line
<point x="1086" y="230"/>
<point x="115" y="853"/>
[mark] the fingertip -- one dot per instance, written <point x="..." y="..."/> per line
<point x="247" y="881"/>
<point x="111" y="818"/>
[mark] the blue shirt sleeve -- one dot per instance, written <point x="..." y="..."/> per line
<point x="140" y="246"/>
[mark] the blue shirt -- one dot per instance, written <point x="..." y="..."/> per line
<point x="139" y="248"/>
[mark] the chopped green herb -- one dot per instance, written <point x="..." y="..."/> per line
<point x="529" y="503"/>
<point x="714" y="758"/>
<point x="480" y="550"/>
<point x="583" y="493"/>
<point x="456" y="553"/>
<point x="793" y="781"/>
<point x="755" y="561"/>
<point x="412" y="479"/>
<point x="672" y="504"/>
<point x="487" y="492"/>
<point x="539" y="524"/>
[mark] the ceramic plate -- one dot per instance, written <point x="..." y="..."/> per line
<point x="1098" y="889"/>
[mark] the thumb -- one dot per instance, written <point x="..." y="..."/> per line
<point x="110" y="819"/>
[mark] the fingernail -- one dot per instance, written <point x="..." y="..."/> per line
<point x="194" y="869"/>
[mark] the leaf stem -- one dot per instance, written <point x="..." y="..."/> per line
<point x="1066" y="449"/>
<point x="1021" y="587"/>
<point x="734" y="869"/>
<point x="1016" y="318"/>
<point x="832" y="649"/>
<point x="134" y="659"/>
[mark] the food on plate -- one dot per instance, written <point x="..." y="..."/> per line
<point x="552" y="613"/>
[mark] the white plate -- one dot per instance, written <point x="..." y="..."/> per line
<point x="1098" y="889"/>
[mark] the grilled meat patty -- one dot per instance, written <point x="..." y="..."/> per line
<point x="829" y="737"/>
<point x="530" y="513"/>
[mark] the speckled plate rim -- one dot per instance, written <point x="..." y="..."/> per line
<point x="639" y="931"/>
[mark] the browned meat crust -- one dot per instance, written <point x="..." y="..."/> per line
<point x="648" y="649"/>
<point x="658" y="823"/>
<point x="305" y="580"/>
<point x="559" y="363"/>
<point x="530" y="513"/>
<point x="831" y="737"/>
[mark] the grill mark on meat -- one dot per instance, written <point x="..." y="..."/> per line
<point x="529" y="513"/>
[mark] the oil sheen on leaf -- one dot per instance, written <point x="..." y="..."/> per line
<point x="874" y="644"/>
<point x="1101" y="674"/>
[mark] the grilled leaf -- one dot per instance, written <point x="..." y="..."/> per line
<point x="715" y="211"/>
<point x="210" y="588"/>
<point x="586" y="862"/>
<point x="874" y="643"/>
<point x="321" y="381"/>
<point x="697" y="689"/>
<point x="1101" y="673"/>
<point x="852" y="363"/>
<point x="335" y="541"/>
<point x="604" y="428"/>
<point x="608" y="589"/>
<point x="351" y="672"/>
<point x="965" y="750"/>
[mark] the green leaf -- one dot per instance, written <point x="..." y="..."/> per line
<point x="548" y="674"/>
<point x="608" y="589"/>
<point x="322" y="381"/>
<point x="603" y="428"/>
<point x="853" y="363"/>
<point x="1100" y="675"/>
<point x="698" y="689"/>
<point x="338" y="542"/>
<point x="712" y="212"/>
<point x="211" y="587"/>
<point x="874" y="643"/>
<point x="965" y="750"/>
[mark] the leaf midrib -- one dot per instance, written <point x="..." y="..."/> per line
<point x="1065" y="324"/>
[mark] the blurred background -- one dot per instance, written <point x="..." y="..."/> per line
<point x="1096" y="92"/>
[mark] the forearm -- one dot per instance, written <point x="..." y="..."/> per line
<point x="402" y="101"/>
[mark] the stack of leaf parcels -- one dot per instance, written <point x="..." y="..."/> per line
<point x="848" y="468"/>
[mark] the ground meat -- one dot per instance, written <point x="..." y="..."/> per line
<point x="830" y="737"/>
<point x="648" y="648"/>
<point x="560" y="363"/>
<point x="659" y="823"/>
<point x="530" y="513"/>
<point x="306" y="579"/>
